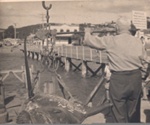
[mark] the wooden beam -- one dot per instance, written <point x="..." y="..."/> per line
<point x="100" y="67"/>
<point x="77" y="67"/>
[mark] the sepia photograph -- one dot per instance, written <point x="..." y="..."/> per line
<point x="74" y="61"/>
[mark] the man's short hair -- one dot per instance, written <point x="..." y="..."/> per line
<point x="123" y="23"/>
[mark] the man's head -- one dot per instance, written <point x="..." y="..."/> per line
<point x="123" y="24"/>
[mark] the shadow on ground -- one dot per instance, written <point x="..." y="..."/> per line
<point x="9" y="99"/>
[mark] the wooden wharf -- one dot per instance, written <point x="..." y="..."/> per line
<point x="68" y="54"/>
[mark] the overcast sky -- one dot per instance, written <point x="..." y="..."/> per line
<point x="84" y="11"/>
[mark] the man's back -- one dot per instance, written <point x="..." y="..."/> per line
<point x="124" y="52"/>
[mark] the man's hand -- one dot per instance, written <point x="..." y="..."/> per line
<point x="87" y="32"/>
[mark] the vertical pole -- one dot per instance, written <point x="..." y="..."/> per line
<point x="35" y="55"/>
<point x="30" y="92"/>
<point x="84" y="69"/>
<point x="39" y="56"/>
<point x="67" y="64"/>
<point x="70" y="60"/>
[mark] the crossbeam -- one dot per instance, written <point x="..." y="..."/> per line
<point x="18" y="77"/>
<point x="3" y="78"/>
<point x="11" y="71"/>
<point x="76" y="67"/>
<point x="94" y="73"/>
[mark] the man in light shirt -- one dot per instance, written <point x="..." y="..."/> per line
<point x="126" y="57"/>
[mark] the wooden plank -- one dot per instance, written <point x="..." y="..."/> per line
<point x="77" y="53"/>
<point x="18" y="77"/>
<point x="87" y="55"/>
<point x="83" y="53"/>
<point x="73" y="52"/>
<point x="62" y="51"/>
<point x="11" y="71"/>
<point x="5" y="76"/>
<point x="69" y="50"/>
<point x="80" y="52"/>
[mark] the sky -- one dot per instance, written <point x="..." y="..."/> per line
<point x="23" y="13"/>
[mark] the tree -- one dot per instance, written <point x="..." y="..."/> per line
<point x="1" y="35"/>
<point x="9" y="32"/>
<point x="148" y="22"/>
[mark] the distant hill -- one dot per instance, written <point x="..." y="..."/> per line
<point x="22" y="32"/>
<point x="27" y="30"/>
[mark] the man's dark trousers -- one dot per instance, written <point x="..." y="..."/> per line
<point x="125" y="94"/>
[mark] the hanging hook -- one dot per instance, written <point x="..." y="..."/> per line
<point x="47" y="12"/>
<point x="44" y="6"/>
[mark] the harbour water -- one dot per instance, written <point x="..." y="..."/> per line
<point x="15" y="90"/>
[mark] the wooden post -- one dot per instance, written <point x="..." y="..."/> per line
<point x="30" y="54"/>
<point x="34" y="55"/>
<point x="84" y="69"/>
<point x="67" y="64"/>
<point x="70" y="61"/>
<point x="39" y="56"/>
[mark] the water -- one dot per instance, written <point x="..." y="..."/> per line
<point x="79" y="87"/>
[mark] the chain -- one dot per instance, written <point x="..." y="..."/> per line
<point x="47" y="8"/>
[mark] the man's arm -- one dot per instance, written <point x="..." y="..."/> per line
<point x="94" y="41"/>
